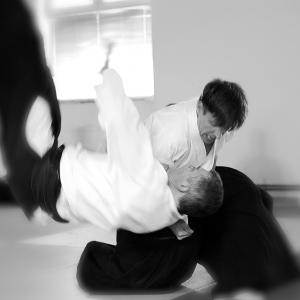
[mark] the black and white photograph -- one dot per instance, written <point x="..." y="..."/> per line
<point x="149" y="150"/>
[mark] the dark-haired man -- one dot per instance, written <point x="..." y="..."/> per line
<point x="159" y="260"/>
<point x="192" y="132"/>
<point x="241" y="245"/>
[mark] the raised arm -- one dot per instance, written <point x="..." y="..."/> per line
<point x="128" y="142"/>
<point x="148" y="204"/>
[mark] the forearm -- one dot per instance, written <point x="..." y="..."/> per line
<point x="128" y="141"/>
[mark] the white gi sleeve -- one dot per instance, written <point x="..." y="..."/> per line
<point x="150" y="205"/>
<point x="128" y="142"/>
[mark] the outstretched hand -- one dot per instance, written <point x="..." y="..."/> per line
<point x="109" y="95"/>
<point x="111" y="87"/>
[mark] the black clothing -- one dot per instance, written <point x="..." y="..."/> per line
<point x="23" y="77"/>
<point x="139" y="261"/>
<point x="241" y="246"/>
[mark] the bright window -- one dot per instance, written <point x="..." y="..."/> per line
<point x="81" y="33"/>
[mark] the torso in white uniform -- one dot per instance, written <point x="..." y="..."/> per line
<point x="176" y="142"/>
<point x="175" y="137"/>
<point x="125" y="188"/>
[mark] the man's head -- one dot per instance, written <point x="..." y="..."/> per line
<point x="197" y="192"/>
<point x="221" y="107"/>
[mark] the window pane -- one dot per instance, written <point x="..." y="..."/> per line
<point x="79" y="45"/>
<point x="129" y="30"/>
<point x="76" y="57"/>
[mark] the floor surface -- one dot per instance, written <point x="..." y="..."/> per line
<point x="39" y="262"/>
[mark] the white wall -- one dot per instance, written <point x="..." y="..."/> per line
<point x="257" y="44"/>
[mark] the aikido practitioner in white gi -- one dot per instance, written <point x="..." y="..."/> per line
<point x="126" y="188"/>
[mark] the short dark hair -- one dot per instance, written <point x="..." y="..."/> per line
<point x="204" y="197"/>
<point x="227" y="102"/>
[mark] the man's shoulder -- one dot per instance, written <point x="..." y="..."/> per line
<point x="173" y="123"/>
<point x="176" y="112"/>
<point x="182" y="105"/>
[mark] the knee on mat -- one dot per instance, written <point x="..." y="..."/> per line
<point x="87" y="257"/>
<point x="85" y="265"/>
<point x="95" y="273"/>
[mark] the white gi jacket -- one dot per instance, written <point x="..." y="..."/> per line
<point x="176" y="142"/>
<point x="175" y="137"/>
<point x="125" y="188"/>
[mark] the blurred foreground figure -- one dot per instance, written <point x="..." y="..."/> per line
<point x="242" y="245"/>
<point x="24" y="78"/>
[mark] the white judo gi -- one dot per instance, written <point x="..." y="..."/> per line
<point x="123" y="188"/>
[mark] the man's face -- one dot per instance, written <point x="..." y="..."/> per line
<point x="179" y="177"/>
<point x="208" y="131"/>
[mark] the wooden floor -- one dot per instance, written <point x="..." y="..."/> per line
<point x="39" y="262"/>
